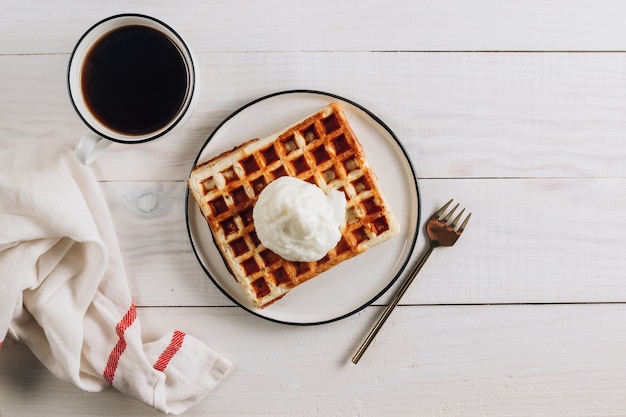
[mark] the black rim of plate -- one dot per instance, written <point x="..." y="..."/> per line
<point x="414" y="178"/>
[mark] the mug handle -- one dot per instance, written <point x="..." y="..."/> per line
<point x="90" y="147"/>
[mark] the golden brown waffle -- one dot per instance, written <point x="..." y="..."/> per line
<point x="321" y="149"/>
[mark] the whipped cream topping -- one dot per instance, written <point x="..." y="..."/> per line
<point x="296" y="220"/>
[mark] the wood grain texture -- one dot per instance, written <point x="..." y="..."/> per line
<point x="550" y="360"/>
<point x="459" y="115"/>
<point x="529" y="241"/>
<point x="35" y="27"/>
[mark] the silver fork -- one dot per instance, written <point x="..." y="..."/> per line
<point x="442" y="232"/>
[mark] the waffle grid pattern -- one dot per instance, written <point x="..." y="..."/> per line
<point x="323" y="150"/>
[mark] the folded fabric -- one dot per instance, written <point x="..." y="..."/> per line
<point x="63" y="289"/>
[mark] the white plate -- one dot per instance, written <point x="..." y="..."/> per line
<point x="348" y="287"/>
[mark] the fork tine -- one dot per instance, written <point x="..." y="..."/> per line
<point x="456" y="219"/>
<point x="447" y="218"/>
<point x="464" y="223"/>
<point x="442" y="209"/>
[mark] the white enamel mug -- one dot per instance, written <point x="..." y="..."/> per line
<point x="89" y="65"/>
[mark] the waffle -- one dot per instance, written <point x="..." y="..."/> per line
<point x="321" y="149"/>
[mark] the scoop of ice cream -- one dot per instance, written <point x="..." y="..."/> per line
<point x="296" y="220"/>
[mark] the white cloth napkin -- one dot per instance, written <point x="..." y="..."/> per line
<point x="63" y="289"/>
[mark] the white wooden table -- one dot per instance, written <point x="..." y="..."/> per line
<point x="516" y="109"/>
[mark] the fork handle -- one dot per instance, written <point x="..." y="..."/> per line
<point x="394" y="302"/>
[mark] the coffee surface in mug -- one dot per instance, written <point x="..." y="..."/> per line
<point x="134" y="80"/>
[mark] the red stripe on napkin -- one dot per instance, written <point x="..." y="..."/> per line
<point x="116" y="353"/>
<point x="170" y="351"/>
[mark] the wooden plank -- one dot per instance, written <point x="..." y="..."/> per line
<point x="529" y="241"/>
<point x="36" y="27"/>
<point x="459" y="115"/>
<point x="159" y="260"/>
<point x="549" y="360"/>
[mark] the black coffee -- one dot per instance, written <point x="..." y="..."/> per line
<point x="134" y="80"/>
